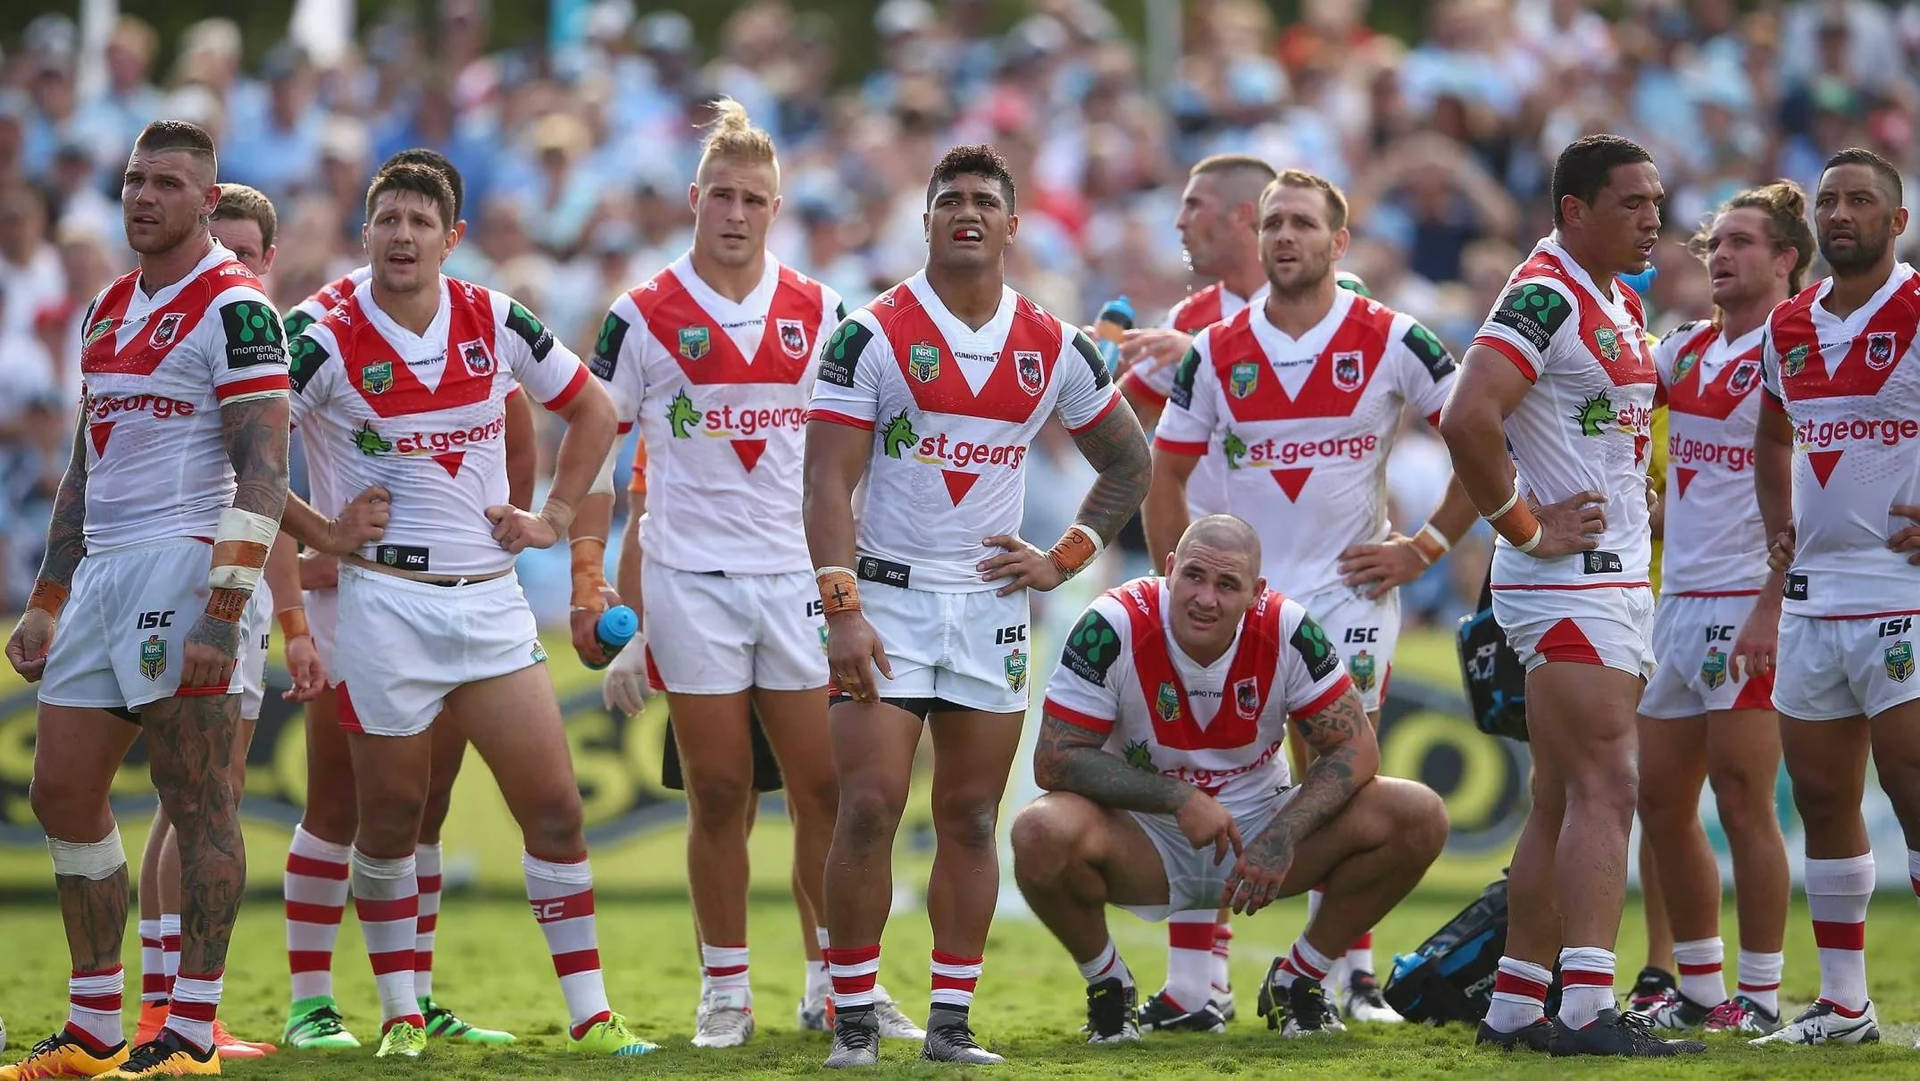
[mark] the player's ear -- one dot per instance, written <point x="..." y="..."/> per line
<point x="210" y="201"/>
<point x="1899" y="220"/>
<point x="1341" y="238"/>
<point x="1167" y="568"/>
<point x="266" y="259"/>
<point x="1260" y="586"/>
<point x="460" y="228"/>
<point x="775" y="212"/>
<point x="1013" y="226"/>
<point x="693" y="196"/>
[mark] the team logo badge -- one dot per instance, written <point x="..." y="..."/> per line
<point x="1360" y="667"/>
<point x="153" y="657"/>
<point x="98" y="330"/>
<point x="1027" y="366"/>
<point x="1167" y="703"/>
<point x="1746" y="375"/>
<point x="539" y="653"/>
<point x="1899" y="660"/>
<point x="923" y="362"/>
<point x="1138" y="756"/>
<point x="475" y="356"/>
<point x="694" y="342"/>
<point x="1246" y="698"/>
<point x="377" y="378"/>
<point x="1795" y="361"/>
<point x="1016" y="670"/>
<point x="1243" y="377"/>
<point x="1713" y="669"/>
<point x="1880" y="350"/>
<point x="1608" y="342"/>
<point x="390" y="556"/>
<point x="793" y="337"/>
<point x="1348" y="370"/>
<point x="169" y="325"/>
<point x="1684" y="365"/>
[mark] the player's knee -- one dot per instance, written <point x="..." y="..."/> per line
<point x="1045" y="837"/>
<point x="1605" y="784"/>
<point x="65" y="808"/>
<point x="814" y="806"/>
<point x="966" y="820"/>
<point x="719" y="803"/>
<point x="1420" y="821"/>
<point x="433" y="812"/>
<point x="869" y="814"/>
<point x="552" y="824"/>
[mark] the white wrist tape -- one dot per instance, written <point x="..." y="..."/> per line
<point x="1505" y="507"/>
<point x="1533" y="541"/>
<point x="240" y="547"/>
<point x="1439" y="538"/>
<point x="95" y="860"/>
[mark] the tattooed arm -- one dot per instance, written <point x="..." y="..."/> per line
<point x="1117" y="449"/>
<point x="66" y="544"/>
<point x="1070" y="758"/>
<point x="254" y="432"/>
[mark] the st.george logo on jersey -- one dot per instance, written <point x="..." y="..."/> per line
<point x="169" y="325"/>
<point x="1246" y="698"/>
<point x="1880" y="350"/>
<point x="1349" y="370"/>
<point x="475" y="356"/>
<point x="1027" y="366"/>
<point x="793" y="337"/>
<point x="1745" y="375"/>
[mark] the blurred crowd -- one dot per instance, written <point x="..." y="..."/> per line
<point x="577" y="150"/>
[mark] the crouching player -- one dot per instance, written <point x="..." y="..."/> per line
<point x="1162" y="749"/>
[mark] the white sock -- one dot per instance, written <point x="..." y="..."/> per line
<point x="315" y="887"/>
<point x="1837" y="896"/>
<point x="1189" y="959"/>
<point x="1586" y="984"/>
<point x="1519" y="995"/>
<point x="1760" y="978"/>
<point x="819" y="979"/>
<point x="196" y="999"/>
<point x="386" y="901"/>
<point x="1359" y="956"/>
<point x="1222" y="954"/>
<point x="1106" y="964"/>
<point x="153" y="964"/>
<point x="1701" y="979"/>
<point x="426" y="859"/>
<point x="170" y="947"/>
<point x="727" y="977"/>
<point x="93" y="1006"/>
<point x="562" y="899"/>
<point x="1302" y="960"/>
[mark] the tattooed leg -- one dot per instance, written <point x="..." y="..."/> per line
<point x="76" y="752"/>
<point x="1369" y="856"/>
<point x="192" y="742"/>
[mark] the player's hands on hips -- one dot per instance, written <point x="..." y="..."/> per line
<point x="27" y="648"/>
<point x="517" y="530"/>
<point x="1027" y="566"/>
<point x="1203" y="821"/>
<point x="304" y="665"/>
<point x="362" y="521"/>
<point x="208" y="660"/>
<point x="319" y="570"/>
<point x="853" y="651"/>
<point x="1151" y="348"/>
<point x="1256" y="880"/>
<point x="625" y="685"/>
<point x="581" y="622"/>
<point x="1907" y="539"/>
<point x="1572" y="525"/>
<point x="1380" y="567"/>
<point x="1780" y="549"/>
<point x="1757" y="645"/>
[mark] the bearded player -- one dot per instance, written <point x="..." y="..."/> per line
<point x="1837" y="466"/>
<point x="160" y="531"/>
<point x="1705" y="714"/>
<point x="412" y="373"/>
<point x="926" y="406"/>
<point x="315" y="882"/>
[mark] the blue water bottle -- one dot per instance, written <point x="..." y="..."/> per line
<point x="1112" y="325"/>
<point x="616" y="628"/>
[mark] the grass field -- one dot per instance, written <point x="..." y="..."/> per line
<point x="493" y="968"/>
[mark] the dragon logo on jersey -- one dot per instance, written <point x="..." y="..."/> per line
<point x="1596" y="415"/>
<point x="1167" y="703"/>
<point x="1684" y="365"/>
<point x="1746" y="375"/>
<point x="1795" y="361"/>
<point x="98" y="330"/>
<point x="1016" y="665"/>
<point x="1243" y="378"/>
<point x="1360" y="667"/>
<point x="1138" y="756"/>
<point x="1348" y="370"/>
<point x="1608" y="342"/>
<point x="153" y="657"/>
<point x="1246" y="698"/>
<point x="1899" y="660"/>
<point x="1234" y="448"/>
<point x="168" y="326"/>
<point x="1880" y="350"/>
<point x="475" y="356"/>
<point x="682" y="416"/>
<point x="1027" y="366"/>
<point x="1713" y="668"/>
<point x="694" y="342"/>
<point x="793" y="337"/>
<point x="898" y="435"/>
<point x="923" y="362"/>
<point x="377" y="378"/>
<point x="369" y="442"/>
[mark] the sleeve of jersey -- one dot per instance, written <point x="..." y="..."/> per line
<point x="1427" y="369"/>
<point x="1187" y="425"/>
<point x="545" y="367"/>
<point x="846" y="386"/>
<point x="1314" y="675"/>
<point x="249" y="348"/>
<point x="1087" y="393"/>
<point x="310" y="372"/>
<point x="1083" y="690"/>
<point x="1522" y="325"/>
<point x="617" y="362"/>
<point x="1770" y="374"/>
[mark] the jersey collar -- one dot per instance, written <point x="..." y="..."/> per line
<point x="993" y="334"/>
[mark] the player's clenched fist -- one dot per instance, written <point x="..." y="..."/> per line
<point x="27" y="648"/>
<point x="517" y="530"/>
<point x="362" y="521"/>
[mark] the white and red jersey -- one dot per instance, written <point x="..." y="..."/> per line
<point x="954" y="412"/>
<point x="1304" y="425"/>
<point x="322" y="457"/>
<point x="1207" y="484"/>
<point x="1221" y="727"/>
<point x="720" y="391"/>
<point x="1715" y="543"/>
<point x="422" y="415"/>
<point x="314" y="308"/>
<point x="155" y="369"/>
<point x="1852" y="389"/>
<point x="1587" y="422"/>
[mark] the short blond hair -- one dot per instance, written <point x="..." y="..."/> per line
<point x="731" y="135"/>
<point x="1300" y="178"/>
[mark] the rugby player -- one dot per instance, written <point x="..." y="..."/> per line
<point x="159" y="534"/>
<point x="315" y="881"/>
<point x="1837" y="467"/>
<point x="926" y="405"/>
<point x="411" y="373"/>
<point x="1560" y="373"/>
<point x="714" y="357"/>
<point x="1163" y="749"/>
<point x="1300" y="399"/>
<point x="1705" y="716"/>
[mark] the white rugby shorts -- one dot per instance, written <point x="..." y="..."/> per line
<point x="1833" y="668"/>
<point x="1609" y="626"/>
<point x="1693" y="645"/>
<point x="1194" y="880"/>
<point x="256" y="635"/>
<point x="1364" y="633"/>
<point x="323" y="616"/>
<point x="412" y="643"/>
<point x="718" y="634"/>
<point x="119" y="640"/>
<point x="970" y="649"/>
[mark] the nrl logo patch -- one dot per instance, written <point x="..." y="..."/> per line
<point x="475" y="356"/>
<point x="694" y="342"/>
<point x="1242" y="378"/>
<point x="1608" y="342"/>
<point x="923" y="362"/>
<point x="1167" y="703"/>
<point x="377" y="378"/>
<point x="153" y="657"/>
<point x="169" y="325"/>
<point x="1880" y="350"/>
<point x="1348" y="371"/>
<point x="1016" y="670"/>
<point x="1360" y="667"/>
<point x="1899" y="660"/>
<point x="1713" y="668"/>
<point x="1685" y="365"/>
<point x="1795" y="361"/>
<point x="1027" y="366"/>
<point x="793" y="337"/>
<point x="1246" y="698"/>
<point x="98" y="330"/>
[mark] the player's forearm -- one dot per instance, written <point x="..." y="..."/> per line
<point x="1773" y="471"/>
<point x="1164" y="514"/>
<point x="306" y="525"/>
<point x="66" y="530"/>
<point x="523" y="451"/>
<point x="283" y="572"/>
<point x="594" y="520"/>
<point x="254" y="432"/>
<point x="1118" y="450"/>
<point x="591" y="429"/>
<point x="836" y="458"/>
<point x="1067" y="758"/>
<point x="1455" y="515"/>
<point x="1477" y="441"/>
<point x="626" y="572"/>
<point x="1146" y="407"/>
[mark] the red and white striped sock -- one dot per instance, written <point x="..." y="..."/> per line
<point x="315" y="885"/>
<point x="1360" y="954"/>
<point x="1760" y="978"/>
<point x="1586" y="984"/>
<point x="170" y="948"/>
<point x="1221" y="978"/>
<point x="1302" y="960"/>
<point x="1519" y="995"/>
<point x="1189" y="959"/>
<point x="1701" y="961"/>
<point x="819" y="980"/>
<point x="386" y="900"/>
<point x="426" y="861"/>
<point x="1336" y="975"/>
<point x="1837" y="896"/>
<point x="562" y="898"/>
<point x="1106" y="965"/>
<point x="153" y="966"/>
<point x="954" y="979"/>
<point x="726" y="971"/>
<point x="855" y="970"/>
<point x="196" y="999"/>
<point x="93" y="1008"/>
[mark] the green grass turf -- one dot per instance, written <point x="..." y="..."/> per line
<point x="493" y="968"/>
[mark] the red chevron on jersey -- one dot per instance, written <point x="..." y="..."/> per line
<point x="1200" y="310"/>
<point x="1871" y="357"/>
<point x="1625" y="362"/>
<point x="1730" y="386"/>
<point x="933" y="377"/>
<point x="1336" y="384"/>
<point x="706" y="351"/>
<point x="385" y="380"/>
<point x="332" y="293"/>
<point x="170" y="324"/>
<point x="1249" y="675"/>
